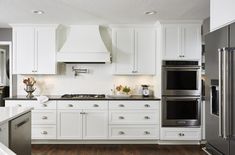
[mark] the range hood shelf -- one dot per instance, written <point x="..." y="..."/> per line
<point x="83" y="44"/>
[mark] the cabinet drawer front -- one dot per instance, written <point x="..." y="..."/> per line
<point x="46" y="105"/>
<point x="125" y="105"/>
<point x="32" y="103"/>
<point x="134" y="132"/>
<point x="181" y="134"/>
<point x="94" y="105"/>
<point x="134" y="117"/>
<point x="43" y="132"/>
<point x="69" y="105"/>
<point x="44" y="117"/>
<point x="18" y="103"/>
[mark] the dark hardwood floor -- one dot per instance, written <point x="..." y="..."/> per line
<point x="115" y="150"/>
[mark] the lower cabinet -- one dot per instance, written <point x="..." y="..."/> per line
<point x="69" y="124"/>
<point x="95" y="124"/>
<point x="82" y="120"/>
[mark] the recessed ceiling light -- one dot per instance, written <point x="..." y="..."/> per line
<point x="150" y="12"/>
<point x="38" y="12"/>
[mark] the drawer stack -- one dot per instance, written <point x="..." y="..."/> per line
<point x="134" y="120"/>
<point x="43" y="117"/>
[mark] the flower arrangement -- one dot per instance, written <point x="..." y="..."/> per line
<point x="123" y="89"/>
<point x="29" y="82"/>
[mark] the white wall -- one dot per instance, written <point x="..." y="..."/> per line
<point x="99" y="80"/>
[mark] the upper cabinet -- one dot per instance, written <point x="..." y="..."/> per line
<point x="134" y="50"/>
<point x="34" y="49"/>
<point x="181" y="41"/>
<point x="222" y="13"/>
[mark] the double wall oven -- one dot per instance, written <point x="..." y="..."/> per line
<point x="181" y="102"/>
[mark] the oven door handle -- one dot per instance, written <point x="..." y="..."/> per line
<point x="182" y="98"/>
<point x="182" y="67"/>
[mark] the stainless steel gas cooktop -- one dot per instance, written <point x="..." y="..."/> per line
<point x="83" y="96"/>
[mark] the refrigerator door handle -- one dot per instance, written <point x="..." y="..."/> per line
<point x="220" y="92"/>
<point x="224" y="94"/>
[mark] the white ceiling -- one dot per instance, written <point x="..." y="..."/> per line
<point x="101" y="11"/>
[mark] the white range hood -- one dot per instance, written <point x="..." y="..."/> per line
<point x="83" y="44"/>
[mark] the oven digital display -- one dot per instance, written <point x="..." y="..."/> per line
<point x="181" y="80"/>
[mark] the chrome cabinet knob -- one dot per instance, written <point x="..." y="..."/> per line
<point x="44" y="132"/>
<point x="146" y="117"/>
<point x="95" y="105"/>
<point x="181" y="134"/>
<point x="121" y="105"/>
<point x="70" y="105"/>
<point x="147" y="132"/>
<point x="44" y="105"/>
<point x="147" y="105"/>
<point x="134" y="71"/>
<point x="44" y="117"/>
<point x="19" y="105"/>
<point x="121" y="117"/>
<point x="121" y="133"/>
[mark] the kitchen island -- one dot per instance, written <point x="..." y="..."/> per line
<point x="15" y="129"/>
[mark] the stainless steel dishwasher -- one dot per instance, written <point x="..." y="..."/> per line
<point x="20" y="135"/>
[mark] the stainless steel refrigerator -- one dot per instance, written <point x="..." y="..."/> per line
<point x="220" y="91"/>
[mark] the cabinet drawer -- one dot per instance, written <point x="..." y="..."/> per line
<point x="134" y="132"/>
<point x="95" y="105"/>
<point x="43" y="132"/>
<point x="69" y="105"/>
<point x="31" y="103"/>
<point x="126" y="105"/>
<point x="44" y="117"/>
<point x="181" y="134"/>
<point x="83" y="105"/>
<point x="134" y="117"/>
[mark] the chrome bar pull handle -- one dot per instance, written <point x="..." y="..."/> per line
<point x="220" y="92"/>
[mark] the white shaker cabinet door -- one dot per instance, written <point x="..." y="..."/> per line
<point x="123" y="50"/>
<point x="145" y="50"/>
<point x="171" y="41"/>
<point x="69" y="124"/>
<point x="95" y="124"/>
<point x="23" y="50"/>
<point x="45" y="51"/>
<point x="191" y="41"/>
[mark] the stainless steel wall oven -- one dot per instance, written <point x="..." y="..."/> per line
<point x="181" y="94"/>
<point x="181" y="78"/>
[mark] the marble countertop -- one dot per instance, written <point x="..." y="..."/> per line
<point x="58" y="97"/>
<point x="5" y="151"/>
<point x="9" y="113"/>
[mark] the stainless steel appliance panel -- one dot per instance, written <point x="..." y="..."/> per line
<point x="214" y="41"/>
<point x="181" y="111"/>
<point x="20" y="135"/>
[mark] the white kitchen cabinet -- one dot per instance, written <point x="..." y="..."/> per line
<point x="134" y="120"/>
<point x="82" y="120"/>
<point x="134" y="50"/>
<point x="34" y="49"/>
<point x="222" y="13"/>
<point x="95" y="124"/>
<point x="69" y="124"/>
<point x="4" y="134"/>
<point x="181" y="41"/>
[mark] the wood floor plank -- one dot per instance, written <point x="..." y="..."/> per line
<point x="115" y="150"/>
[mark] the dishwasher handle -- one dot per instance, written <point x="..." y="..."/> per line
<point x="21" y="123"/>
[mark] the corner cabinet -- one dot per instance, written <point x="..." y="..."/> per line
<point x="34" y="49"/>
<point x="134" y="50"/>
<point x="181" y="41"/>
